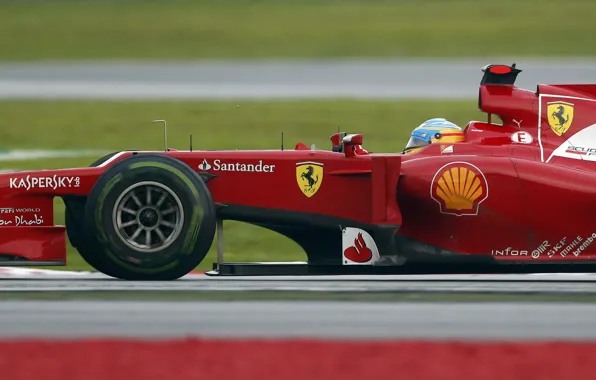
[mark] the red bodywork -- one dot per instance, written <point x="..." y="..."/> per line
<point x="505" y="194"/>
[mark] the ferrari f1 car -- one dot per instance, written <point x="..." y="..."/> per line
<point x="518" y="191"/>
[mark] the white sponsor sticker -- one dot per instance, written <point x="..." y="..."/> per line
<point x="10" y="210"/>
<point x="448" y="149"/>
<point x="522" y="137"/>
<point x="564" y="247"/>
<point x="580" y="150"/>
<point x="577" y="146"/>
<point x="34" y="182"/>
<point x="571" y="246"/>
<point x="557" y="247"/>
<point x="20" y="220"/>
<point x="579" y="245"/>
<point x="510" y="252"/>
<point x="217" y="166"/>
<point x="358" y="247"/>
<point x="541" y="249"/>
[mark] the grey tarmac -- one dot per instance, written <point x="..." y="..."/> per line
<point x="211" y="79"/>
<point x="297" y="319"/>
<point x="576" y="283"/>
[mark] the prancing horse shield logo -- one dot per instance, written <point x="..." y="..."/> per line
<point x="560" y="116"/>
<point x="309" y="176"/>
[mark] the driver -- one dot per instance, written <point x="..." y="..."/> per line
<point x="433" y="131"/>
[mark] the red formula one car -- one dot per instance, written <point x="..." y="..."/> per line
<point x="521" y="191"/>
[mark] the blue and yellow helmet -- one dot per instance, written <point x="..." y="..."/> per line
<point x="433" y="131"/>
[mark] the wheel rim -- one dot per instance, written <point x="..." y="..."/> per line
<point x="148" y="217"/>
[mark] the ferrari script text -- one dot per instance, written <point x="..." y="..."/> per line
<point x="581" y="150"/>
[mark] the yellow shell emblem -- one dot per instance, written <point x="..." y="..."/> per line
<point x="459" y="188"/>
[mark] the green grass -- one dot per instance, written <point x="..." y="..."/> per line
<point x="284" y="28"/>
<point x="214" y="125"/>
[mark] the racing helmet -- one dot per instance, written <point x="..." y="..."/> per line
<point x="433" y="131"/>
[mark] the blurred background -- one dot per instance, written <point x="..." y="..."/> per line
<point x="80" y="78"/>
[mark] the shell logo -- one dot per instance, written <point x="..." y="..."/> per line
<point x="459" y="188"/>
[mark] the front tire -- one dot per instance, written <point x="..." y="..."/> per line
<point x="151" y="217"/>
<point x="74" y="219"/>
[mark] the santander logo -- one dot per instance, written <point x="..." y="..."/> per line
<point x="253" y="167"/>
<point x="359" y="252"/>
<point x="358" y="247"/>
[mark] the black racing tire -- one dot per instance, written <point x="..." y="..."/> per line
<point x="74" y="219"/>
<point x="116" y="218"/>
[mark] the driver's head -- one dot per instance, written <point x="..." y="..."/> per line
<point x="433" y="131"/>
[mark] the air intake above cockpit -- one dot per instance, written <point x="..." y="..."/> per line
<point x="499" y="74"/>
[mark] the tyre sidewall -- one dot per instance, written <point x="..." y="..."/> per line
<point x="195" y="238"/>
<point x="74" y="220"/>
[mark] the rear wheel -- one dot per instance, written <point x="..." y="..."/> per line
<point x="149" y="217"/>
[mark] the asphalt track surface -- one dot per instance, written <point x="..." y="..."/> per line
<point x="281" y="319"/>
<point x="364" y="79"/>
<point x="576" y="283"/>
<point x="299" y="319"/>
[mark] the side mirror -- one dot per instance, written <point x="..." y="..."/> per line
<point x="353" y="145"/>
<point x="337" y="141"/>
<point x="354" y="139"/>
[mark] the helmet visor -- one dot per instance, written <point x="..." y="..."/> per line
<point x="415" y="142"/>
